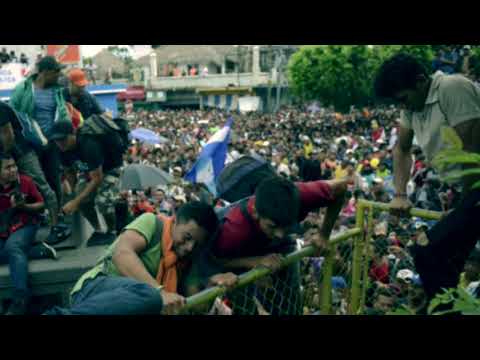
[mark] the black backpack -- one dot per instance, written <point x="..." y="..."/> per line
<point x="239" y="179"/>
<point x="114" y="132"/>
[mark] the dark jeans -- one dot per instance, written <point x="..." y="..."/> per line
<point x="451" y="241"/>
<point x="14" y="252"/>
<point x="112" y="295"/>
<point x="50" y="162"/>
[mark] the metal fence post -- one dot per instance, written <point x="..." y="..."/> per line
<point x="252" y="276"/>
<point x="367" y="256"/>
<point x="327" y="273"/>
<point x="357" y="261"/>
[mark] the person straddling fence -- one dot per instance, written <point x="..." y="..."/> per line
<point x="140" y="272"/>
<point x="430" y="104"/>
<point x="254" y="233"/>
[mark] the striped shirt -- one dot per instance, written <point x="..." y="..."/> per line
<point x="45" y="108"/>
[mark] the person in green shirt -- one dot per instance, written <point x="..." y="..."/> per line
<point x="382" y="171"/>
<point x="138" y="274"/>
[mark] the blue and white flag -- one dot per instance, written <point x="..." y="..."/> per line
<point x="211" y="161"/>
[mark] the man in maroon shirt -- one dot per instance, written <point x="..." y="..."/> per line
<point x="20" y="204"/>
<point x="278" y="205"/>
<point x="255" y="232"/>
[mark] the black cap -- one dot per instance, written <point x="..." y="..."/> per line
<point x="49" y="63"/>
<point x="61" y="130"/>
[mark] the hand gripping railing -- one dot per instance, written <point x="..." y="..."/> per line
<point x="361" y="234"/>
<point x="360" y="279"/>
<point x="250" y="277"/>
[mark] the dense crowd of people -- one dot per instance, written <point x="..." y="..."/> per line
<point x="300" y="144"/>
<point x="307" y="144"/>
<point x="11" y="57"/>
<point x="154" y="234"/>
<point x="452" y="59"/>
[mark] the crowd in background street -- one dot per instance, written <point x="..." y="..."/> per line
<point x="11" y="57"/>
<point x="453" y="59"/>
<point x="306" y="144"/>
<point x="302" y="143"/>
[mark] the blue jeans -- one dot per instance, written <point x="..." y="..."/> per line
<point x="14" y="252"/>
<point x="112" y="295"/>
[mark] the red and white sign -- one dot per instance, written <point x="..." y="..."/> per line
<point x="65" y="54"/>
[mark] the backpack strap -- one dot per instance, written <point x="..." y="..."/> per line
<point x="105" y="121"/>
<point x="243" y="204"/>
<point x="98" y="125"/>
<point x="244" y="209"/>
<point x="90" y="127"/>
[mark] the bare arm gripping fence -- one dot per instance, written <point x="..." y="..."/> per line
<point x="340" y="288"/>
<point x="421" y="213"/>
<point x="254" y="275"/>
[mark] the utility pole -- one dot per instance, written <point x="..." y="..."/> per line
<point x="279" y="64"/>
<point x="238" y="64"/>
<point x="270" y="84"/>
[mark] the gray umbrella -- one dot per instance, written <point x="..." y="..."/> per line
<point x="138" y="177"/>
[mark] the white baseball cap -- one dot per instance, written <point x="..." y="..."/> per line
<point x="406" y="275"/>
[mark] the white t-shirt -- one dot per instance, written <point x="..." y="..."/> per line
<point x="452" y="100"/>
<point x="472" y="287"/>
<point x="393" y="139"/>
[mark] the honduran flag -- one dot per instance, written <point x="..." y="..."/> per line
<point x="211" y="161"/>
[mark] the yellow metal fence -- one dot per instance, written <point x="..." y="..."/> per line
<point x="355" y="242"/>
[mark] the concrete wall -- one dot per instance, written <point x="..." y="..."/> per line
<point x="210" y="81"/>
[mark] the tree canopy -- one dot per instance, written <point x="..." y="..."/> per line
<point x="343" y="75"/>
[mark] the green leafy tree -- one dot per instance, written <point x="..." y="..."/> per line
<point x="458" y="301"/>
<point x="475" y="62"/>
<point x="425" y="53"/>
<point x="343" y="75"/>
<point x="453" y="154"/>
<point x="120" y="52"/>
<point x="123" y="54"/>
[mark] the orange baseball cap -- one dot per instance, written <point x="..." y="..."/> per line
<point x="78" y="77"/>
